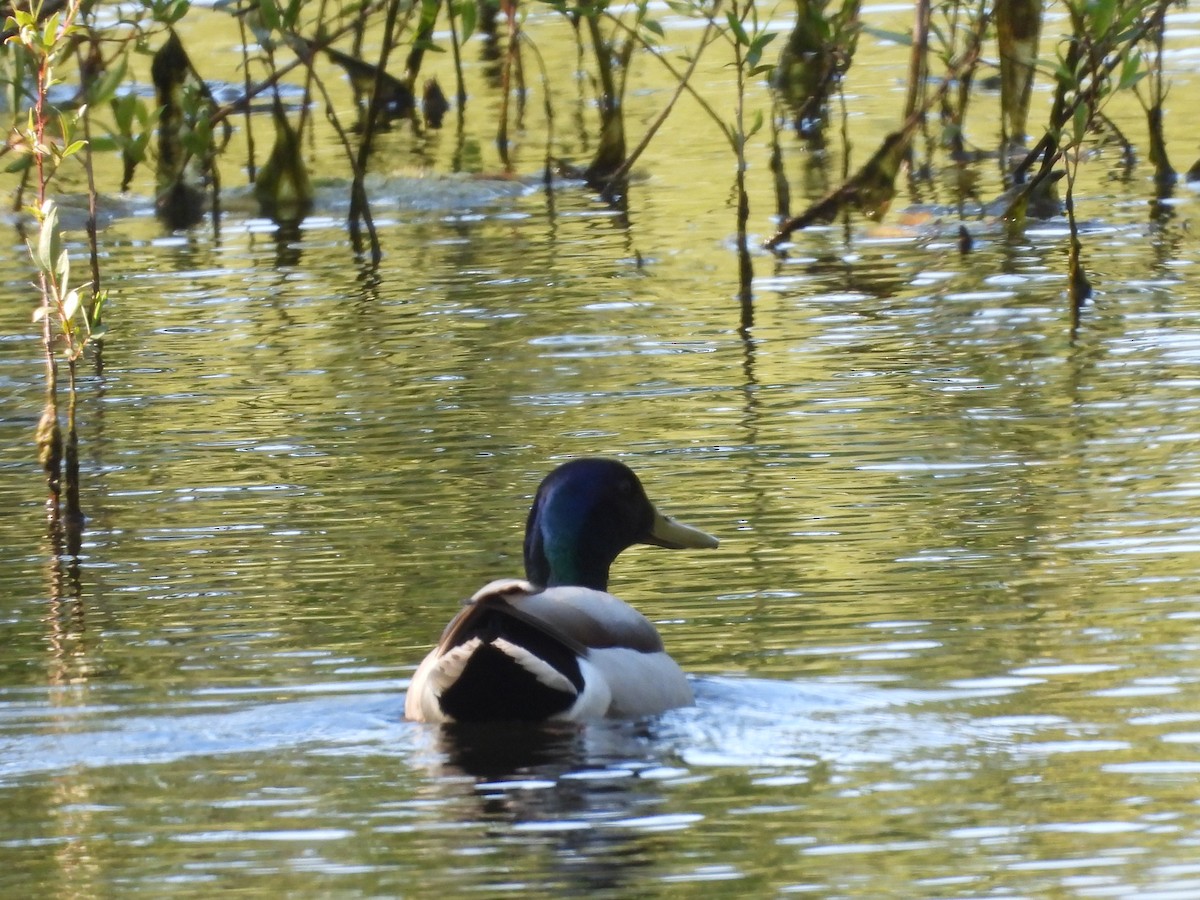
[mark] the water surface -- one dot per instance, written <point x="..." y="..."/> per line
<point x="947" y="648"/>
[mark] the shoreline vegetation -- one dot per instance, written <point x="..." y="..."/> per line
<point x="67" y="72"/>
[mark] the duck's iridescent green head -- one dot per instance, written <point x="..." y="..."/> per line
<point x="585" y="513"/>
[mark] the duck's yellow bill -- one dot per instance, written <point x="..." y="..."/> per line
<point x="666" y="532"/>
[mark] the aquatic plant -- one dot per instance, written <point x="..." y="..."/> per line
<point x="381" y="47"/>
<point x="1107" y="52"/>
<point x="69" y="314"/>
<point x="816" y="54"/>
<point x="749" y="39"/>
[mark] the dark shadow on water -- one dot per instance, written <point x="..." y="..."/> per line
<point x="512" y="750"/>
<point x="503" y="750"/>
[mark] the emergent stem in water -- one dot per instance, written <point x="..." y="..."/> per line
<point x="1079" y="288"/>
<point x="918" y="65"/>
<point x="246" y="86"/>
<point x="548" y="108"/>
<point x="1164" y="175"/>
<point x="683" y="79"/>
<point x="359" y="207"/>
<point x="745" y="264"/>
<point x="73" y="520"/>
<point x="456" y="52"/>
<point x="682" y="83"/>
<point x="1018" y="27"/>
<point x="49" y="432"/>
<point x="871" y="188"/>
<point x="510" y="63"/>
<point x="611" y="151"/>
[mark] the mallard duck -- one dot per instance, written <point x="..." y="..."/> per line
<point x="556" y="645"/>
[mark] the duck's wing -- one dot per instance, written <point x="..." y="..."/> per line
<point x="564" y="652"/>
<point x="624" y="652"/>
<point x="500" y="659"/>
<point x="586" y="619"/>
<point x="580" y="618"/>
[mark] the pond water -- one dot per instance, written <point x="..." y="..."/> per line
<point x="949" y="646"/>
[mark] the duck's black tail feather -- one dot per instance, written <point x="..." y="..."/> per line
<point x="494" y="685"/>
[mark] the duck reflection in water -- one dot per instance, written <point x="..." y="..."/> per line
<point x="560" y="794"/>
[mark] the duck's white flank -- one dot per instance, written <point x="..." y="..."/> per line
<point x="625" y="671"/>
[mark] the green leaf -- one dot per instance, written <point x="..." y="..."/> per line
<point x="20" y="164"/>
<point x="62" y="269"/>
<point x="1079" y="123"/>
<point x="95" y="316"/>
<point x="49" y="31"/>
<point x="106" y="88"/>
<point x="756" y="125"/>
<point x="754" y="54"/>
<point x="291" y="15"/>
<point x="761" y="40"/>
<point x="739" y="31"/>
<point x="66" y="127"/>
<point x="1101" y="18"/>
<point x="21" y="18"/>
<point x="904" y="39"/>
<point x="1063" y="74"/>
<point x="49" y="242"/>
<point x="70" y="305"/>
<point x="122" y="108"/>
<point x="1131" y="72"/>
<point x="468" y="12"/>
<point x="73" y="148"/>
<point x="171" y="11"/>
<point x="269" y="13"/>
